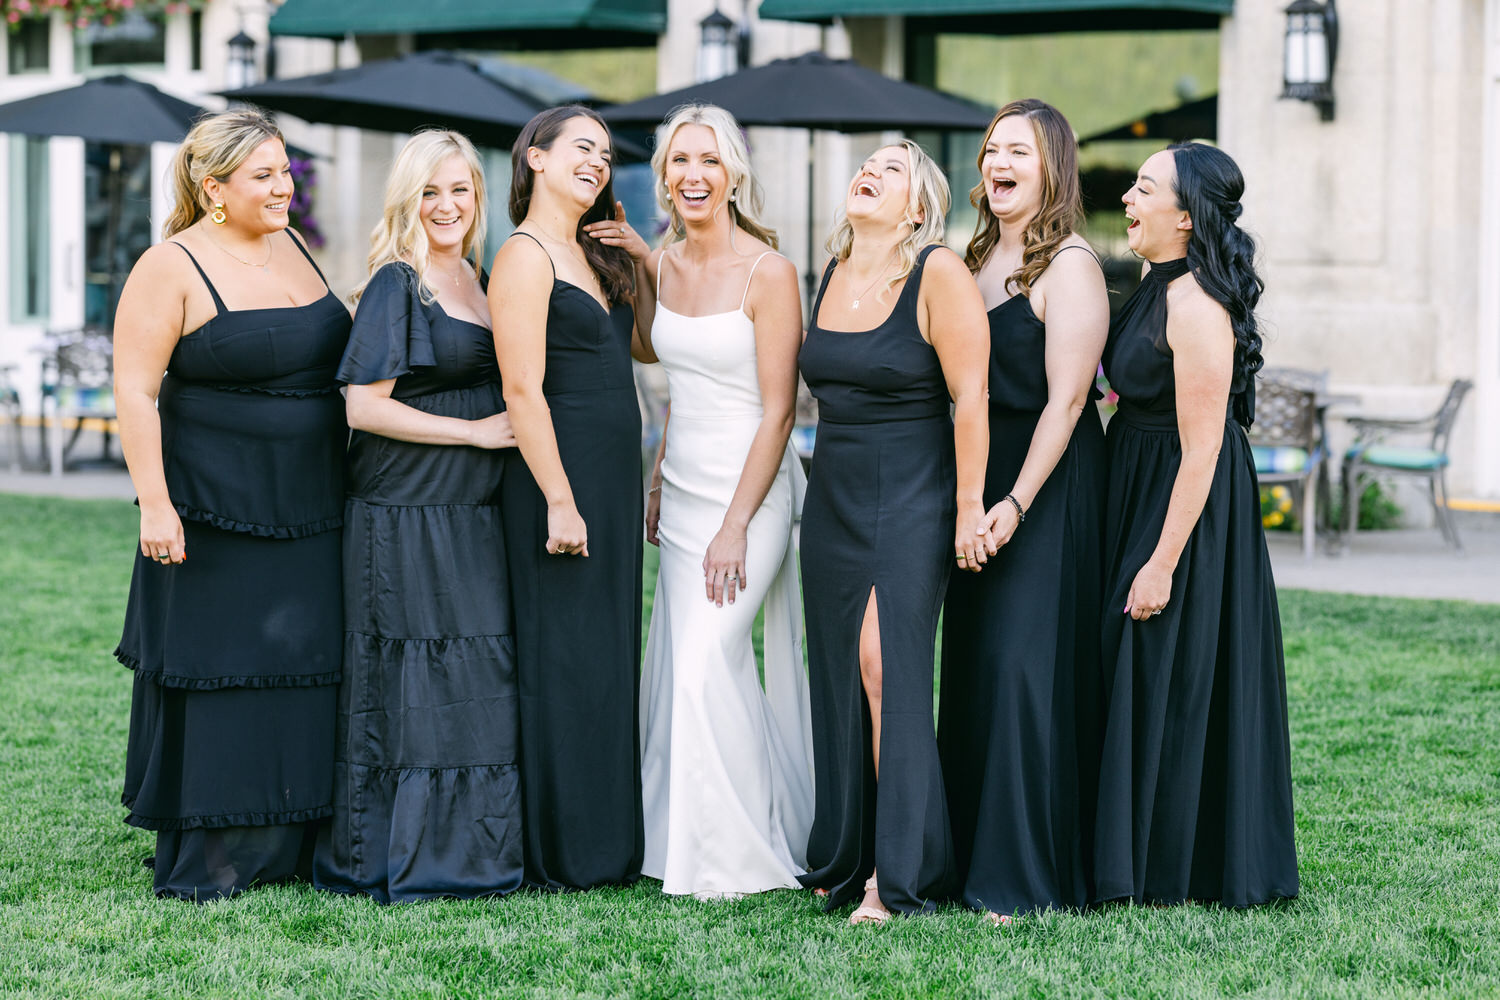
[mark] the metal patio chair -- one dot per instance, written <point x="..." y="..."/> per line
<point x="1370" y="456"/>
<point x="1287" y="439"/>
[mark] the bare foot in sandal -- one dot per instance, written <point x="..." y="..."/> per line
<point x="871" y="910"/>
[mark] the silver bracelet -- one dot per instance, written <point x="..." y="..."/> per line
<point x="654" y="489"/>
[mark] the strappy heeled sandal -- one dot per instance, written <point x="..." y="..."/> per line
<point x="869" y="914"/>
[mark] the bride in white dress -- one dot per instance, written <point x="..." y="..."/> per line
<point x="726" y="763"/>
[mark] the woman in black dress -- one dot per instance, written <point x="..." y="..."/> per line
<point x="1195" y="787"/>
<point x="427" y="793"/>
<point x="894" y="497"/>
<point x="1020" y="646"/>
<point x="237" y="457"/>
<point x="561" y="306"/>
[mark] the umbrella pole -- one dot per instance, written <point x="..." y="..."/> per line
<point x="811" y="278"/>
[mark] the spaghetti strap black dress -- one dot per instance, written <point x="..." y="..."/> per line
<point x="578" y="620"/>
<point x="879" y="515"/>
<point x="1018" y="711"/>
<point x="427" y="790"/>
<point x="1195" y="785"/>
<point x="236" y="651"/>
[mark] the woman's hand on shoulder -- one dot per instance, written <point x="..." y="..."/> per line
<point x="618" y="232"/>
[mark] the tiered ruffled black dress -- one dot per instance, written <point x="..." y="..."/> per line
<point x="878" y="517"/>
<point x="236" y="651"/>
<point x="427" y="798"/>
<point x="1195" y="785"/>
<point x="1019" y="709"/>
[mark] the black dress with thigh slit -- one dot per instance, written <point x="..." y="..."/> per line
<point x="236" y="651"/>
<point x="577" y="619"/>
<point x="1195" y="785"/>
<point x="1018" y="716"/>
<point x="427" y="791"/>
<point x="879" y="516"/>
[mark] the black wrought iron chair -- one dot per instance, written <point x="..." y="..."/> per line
<point x="1370" y="456"/>
<point x="1287" y="440"/>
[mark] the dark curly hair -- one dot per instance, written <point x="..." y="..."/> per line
<point x="611" y="265"/>
<point x="1221" y="255"/>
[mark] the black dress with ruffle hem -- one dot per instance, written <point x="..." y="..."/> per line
<point x="236" y="651"/>
<point x="427" y="792"/>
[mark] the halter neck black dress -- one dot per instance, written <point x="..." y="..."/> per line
<point x="236" y="651"/>
<point x="879" y="514"/>
<point x="578" y="620"/>
<point x="1195" y="786"/>
<point x="1018" y="711"/>
<point x="427" y="791"/>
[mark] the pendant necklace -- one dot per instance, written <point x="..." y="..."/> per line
<point x="871" y="285"/>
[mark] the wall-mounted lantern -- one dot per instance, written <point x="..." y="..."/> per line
<point x="241" y="69"/>
<point x="717" y="47"/>
<point x="1312" y="45"/>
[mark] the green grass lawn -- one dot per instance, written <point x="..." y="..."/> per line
<point x="1395" y="749"/>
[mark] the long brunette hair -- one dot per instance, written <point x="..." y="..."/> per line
<point x="1221" y="255"/>
<point x="611" y="265"/>
<point x="1061" y="211"/>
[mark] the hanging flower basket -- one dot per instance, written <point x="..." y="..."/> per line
<point x="82" y="13"/>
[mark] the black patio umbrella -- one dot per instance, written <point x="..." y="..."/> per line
<point x="403" y="95"/>
<point x="815" y="92"/>
<point x="107" y="109"/>
<point x="1191" y="120"/>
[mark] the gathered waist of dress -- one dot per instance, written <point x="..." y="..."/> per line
<point x="892" y="417"/>
<point x="1156" y="420"/>
<point x="287" y="386"/>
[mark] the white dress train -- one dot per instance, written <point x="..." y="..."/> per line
<point x="726" y="763"/>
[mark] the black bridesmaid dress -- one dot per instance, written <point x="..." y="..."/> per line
<point x="236" y="650"/>
<point x="1019" y="711"/>
<point x="879" y="514"/>
<point x="1195" y="785"/>
<point x="427" y="791"/>
<point x="577" y="619"/>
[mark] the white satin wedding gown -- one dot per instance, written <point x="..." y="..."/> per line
<point x="726" y="764"/>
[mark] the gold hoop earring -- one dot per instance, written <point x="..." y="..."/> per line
<point x="218" y="214"/>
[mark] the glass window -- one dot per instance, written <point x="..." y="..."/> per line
<point x="116" y="222"/>
<point x="135" y="39"/>
<point x="30" y="230"/>
<point x="195" y="28"/>
<point x="28" y="45"/>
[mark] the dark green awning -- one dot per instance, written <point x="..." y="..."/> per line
<point x="337" y="18"/>
<point x="1013" y="17"/>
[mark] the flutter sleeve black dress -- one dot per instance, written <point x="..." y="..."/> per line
<point x="427" y="790"/>
<point x="879" y="515"/>
<point x="1195" y="785"/>
<point x="1019" y="707"/>
<point x="578" y="620"/>
<point x="236" y="651"/>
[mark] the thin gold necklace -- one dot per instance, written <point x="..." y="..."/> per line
<point x="270" y="249"/>
<point x="872" y="284"/>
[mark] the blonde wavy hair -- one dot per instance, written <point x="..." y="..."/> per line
<point x="1061" y="211"/>
<point x="748" y="201"/>
<point x="215" y="147"/>
<point x="928" y="198"/>
<point x="399" y="235"/>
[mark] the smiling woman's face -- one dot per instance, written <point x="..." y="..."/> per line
<point x="694" y="173"/>
<point x="1012" y="170"/>
<point x="1158" y="229"/>
<point x="577" y="166"/>
<point x="448" y="205"/>
<point x="881" y="190"/>
<point x="257" y="195"/>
